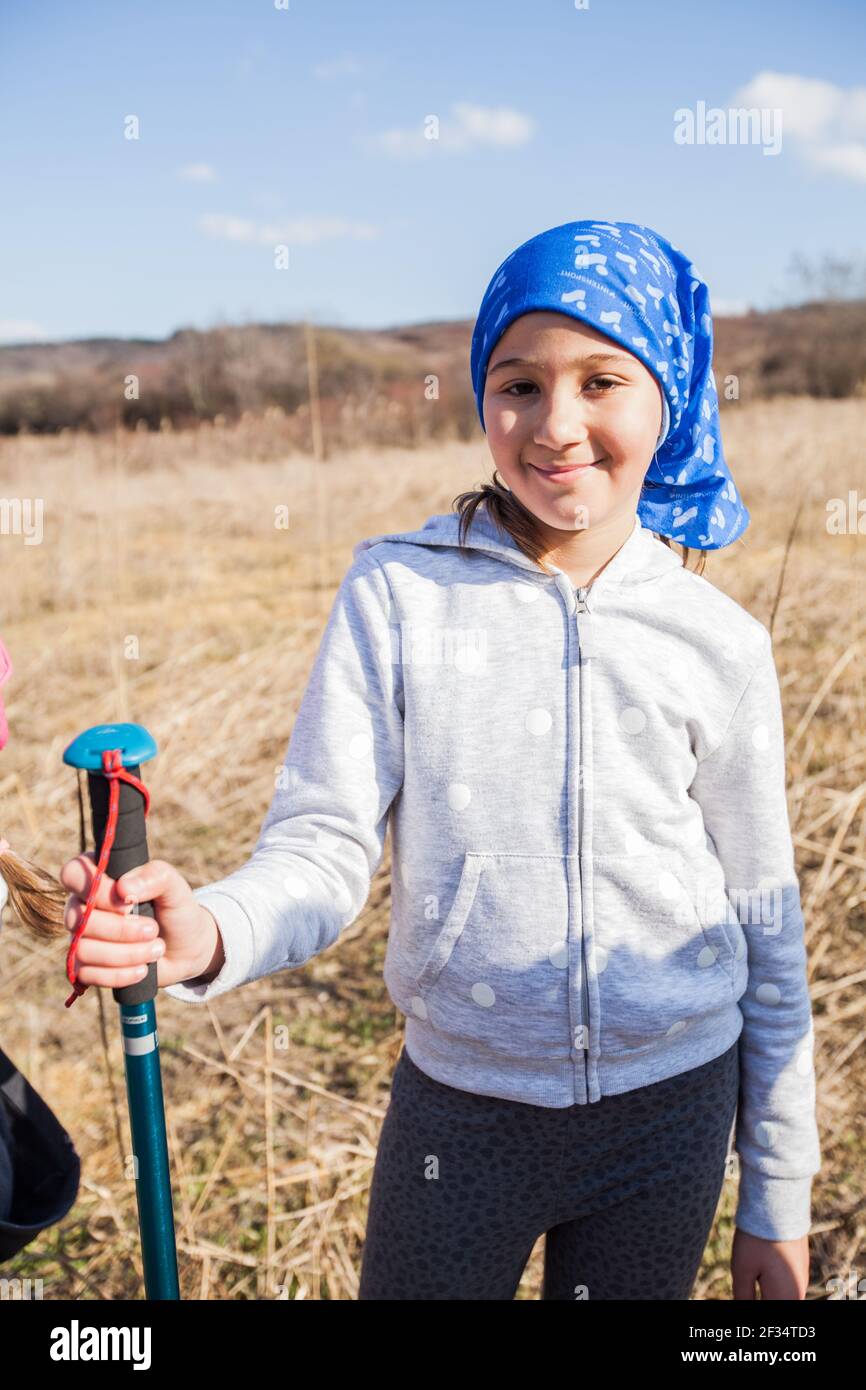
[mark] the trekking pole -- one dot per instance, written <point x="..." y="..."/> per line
<point x="112" y="755"/>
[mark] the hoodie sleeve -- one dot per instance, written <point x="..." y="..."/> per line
<point x="741" y="789"/>
<point x="323" y="837"/>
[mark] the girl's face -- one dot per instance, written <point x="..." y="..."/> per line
<point x="560" y="404"/>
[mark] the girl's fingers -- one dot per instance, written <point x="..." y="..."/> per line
<point x="78" y="874"/>
<point x="108" y="926"/>
<point x="155" y="881"/>
<point x="116" y="954"/>
<point x="110" y="979"/>
<point x="151" y="882"/>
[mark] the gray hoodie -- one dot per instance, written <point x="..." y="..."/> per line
<point x="593" y="882"/>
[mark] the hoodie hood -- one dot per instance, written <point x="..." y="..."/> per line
<point x="639" y="558"/>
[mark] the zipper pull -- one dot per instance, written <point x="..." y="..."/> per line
<point x="586" y="644"/>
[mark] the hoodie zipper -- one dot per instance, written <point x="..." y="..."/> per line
<point x="581" y="607"/>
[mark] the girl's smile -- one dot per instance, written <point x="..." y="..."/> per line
<point x="564" y="474"/>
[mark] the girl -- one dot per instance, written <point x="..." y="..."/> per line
<point x="596" y="932"/>
<point x="39" y="1168"/>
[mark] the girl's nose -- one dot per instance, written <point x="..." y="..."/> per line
<point x="559" y="419"/>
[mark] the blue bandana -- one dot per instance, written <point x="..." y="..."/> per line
<point x="643" y="293"/>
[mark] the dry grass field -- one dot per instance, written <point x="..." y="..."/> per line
<point x="275" y="1093"/>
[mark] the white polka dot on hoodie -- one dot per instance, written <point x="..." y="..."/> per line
<point x="632" y="720"/>
<point x="768" y="994"/>
<point x="538" y="721"/>
<point x="765" y="1133"/>
<point x="597" y="960"/>
<point x="295" y="886"/>
<point x="525" y="593"/>
<point x="360" y="745"/>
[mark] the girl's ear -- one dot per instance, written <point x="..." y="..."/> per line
<point x="666" y="418"/>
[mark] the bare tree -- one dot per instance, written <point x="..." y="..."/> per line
<point x="832" y="277"/>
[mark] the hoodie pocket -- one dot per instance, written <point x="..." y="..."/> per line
<point x="713" y="911"/>
<point x="658" y="960"/>
<point x="497" y="972"/>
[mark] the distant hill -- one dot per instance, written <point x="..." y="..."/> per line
<point x="402" y="384"/>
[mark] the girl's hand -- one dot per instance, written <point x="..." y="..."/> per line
<point x="117" y="943"/>
<point x="781" y="1267"/>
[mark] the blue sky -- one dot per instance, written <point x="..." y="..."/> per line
<point x="304" y="127"/>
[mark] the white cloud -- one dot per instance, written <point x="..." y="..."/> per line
<point x="292" y="231"/>
<point x="337" y="67"/>
<point x="848" y="160"/>
<point x="22" y="331"/>
<point x="197" y="173"/>
<point x="827" y="123"/>
<point x="470" y="128"/>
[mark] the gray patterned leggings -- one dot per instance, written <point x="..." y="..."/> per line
<point x="625" y="1189"/>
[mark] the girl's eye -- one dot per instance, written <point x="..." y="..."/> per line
<point x="604" y="381"/>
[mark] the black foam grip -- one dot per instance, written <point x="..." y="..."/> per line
<point x="127" y="852"/>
